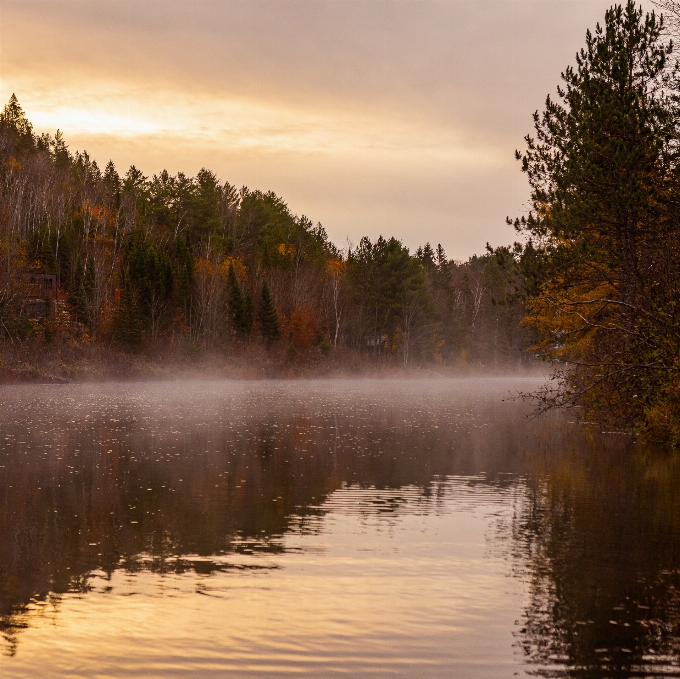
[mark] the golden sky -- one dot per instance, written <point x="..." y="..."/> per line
<point x="398" y="117"/>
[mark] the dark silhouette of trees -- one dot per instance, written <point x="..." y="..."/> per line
<point x="240" y="306"/>
<point x="129" y="327"/>
<point x="145" y="262"/>
<point x="604" y="246"/>
<point x="149" y="274"/>
<point x="269" y="322"/>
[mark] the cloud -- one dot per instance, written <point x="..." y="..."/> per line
<point x="370" y="116"/>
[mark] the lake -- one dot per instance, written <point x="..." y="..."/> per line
<point x="366" y="528"/>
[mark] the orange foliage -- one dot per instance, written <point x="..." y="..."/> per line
<point x="99" y="213"/>
<point x="240" y="269"/>
<point x="203" y="267"/>
<point x="304" y="327"/>
<point x="13" y="164"/>
<point x="287" y="251"/>
<point x="336" y="266"/>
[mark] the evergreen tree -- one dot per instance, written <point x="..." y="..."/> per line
<point x="150" y="274"/>
<point x="128" y="326"/>
<point x="604" y="179"/>
<point x="112" y="184"/>
<point x="42" y="250"/>
<point x="60" y="152"/>
<point x="269" y="322"/>
<point x="183" y="274"/>
<point x="240" y="307"/>
<point x="77" y="298"/>
<point x="13" y="119"/>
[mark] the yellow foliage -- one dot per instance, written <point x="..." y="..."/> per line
<point x="240" y="269"/>
<point x="13" y="164"/>
<point x="287" y="251"/>
<point x="203" y="267"/>
<point x="336" y="266"/>
<point x="570" y="316"/>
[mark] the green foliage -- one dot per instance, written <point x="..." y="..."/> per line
<point x="602" y="257"/>
<point x="79" y="292"/>
<point x="325" y="346"/>
<point x="13" y="121"/>
<point x="41" y="249"/>
<point x="269" y="322"/>
<point x="19" y="327"/>
<point x="240" y="306"/>
<point x="183" y="274"/>
<point x="390" y="289"/>
<point x="166" y="243"/>
<point x="149" y="274"/>
<point x="128" y="324"/>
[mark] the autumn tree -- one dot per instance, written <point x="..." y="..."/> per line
<point x="603" y="174"/>
<point x="153" y="258"/>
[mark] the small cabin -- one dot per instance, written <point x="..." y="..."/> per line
<point x="42" y="293"/>
<point x="43" y="285"/>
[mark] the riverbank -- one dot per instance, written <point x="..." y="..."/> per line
<point x="44" y="364"/>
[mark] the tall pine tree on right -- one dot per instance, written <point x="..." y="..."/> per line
<point x="601" y="255"/>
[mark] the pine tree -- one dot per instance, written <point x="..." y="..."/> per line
<point x="60" y="152"/>
<point x="128" y="326"/>
<point x="602" y="258"/>
<point x="77" y="298"/>
<point x="240" y="307"/>
<point x="183" y="273"/>
<point x="13" y="116"/>
<point x="112" y="183"/>
<point x="269" y="322"/>
<point x="149" y="272"/>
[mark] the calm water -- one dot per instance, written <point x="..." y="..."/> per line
<point x="358" y="528"/>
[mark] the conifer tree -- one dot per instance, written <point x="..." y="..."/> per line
<point x="149" y="272"/>
<point x="240" y="307"/>
<point x="77" y="298"/>
<point x="13" y="116"/>
<point x="183" y="273"/>
<point x="128" y="325"/>
<point x="269" y="322"/>
<point x="60" y="152"/>
<point x="602" y="257"/>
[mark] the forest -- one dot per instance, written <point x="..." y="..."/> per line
<point x="172" y="265"/>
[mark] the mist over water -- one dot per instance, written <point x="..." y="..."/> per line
<point x="415" y="528"/>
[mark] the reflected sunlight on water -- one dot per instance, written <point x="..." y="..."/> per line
<point x="365" y="594"/>
<point x="372" y="528"/>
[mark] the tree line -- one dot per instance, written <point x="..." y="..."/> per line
<point x="179" y="263"/>
<point x="173" y="263"/>
<point x="600" y="247"/>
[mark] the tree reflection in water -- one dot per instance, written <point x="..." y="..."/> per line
<point x="201" y="477"/>
<point x="172" y="478"/>
<point x="598" y="537"/>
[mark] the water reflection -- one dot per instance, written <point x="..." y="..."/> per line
<point x="598" y="534"/>
<point x="172" y="477"/>
<point x="166" y="479"/>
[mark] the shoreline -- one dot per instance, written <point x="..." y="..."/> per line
<point x="96" y="364"/>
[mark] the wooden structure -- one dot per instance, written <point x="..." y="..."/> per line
<point x="42" y="294"/>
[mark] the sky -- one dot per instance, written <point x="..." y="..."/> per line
<point x="392" y="117"/>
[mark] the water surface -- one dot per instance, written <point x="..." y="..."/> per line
<point x="365" y="528"/>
